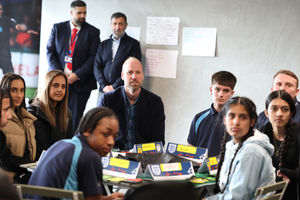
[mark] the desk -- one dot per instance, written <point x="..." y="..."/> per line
<point x="121" y="183"/>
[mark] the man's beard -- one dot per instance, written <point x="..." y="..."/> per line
<point x="79" y="22"/>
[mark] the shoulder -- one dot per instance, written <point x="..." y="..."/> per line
<point x="151" y="95"/>
<point x="61" y="24"/>
<point x="130" y="39"/>
<point x="91" y="28"/>
<point x="203" y="114"/>
<point x="28" y="115"/>
<point x="37" y="112"/>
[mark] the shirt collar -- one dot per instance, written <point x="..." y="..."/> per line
<point x="213" y="110"/>
<point x="72" y="26"/>
<point x="115" y="39"/>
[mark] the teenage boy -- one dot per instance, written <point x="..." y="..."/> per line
<point x="207" y="129"/>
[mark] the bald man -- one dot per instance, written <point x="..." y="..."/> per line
<point x="140" y="112"/>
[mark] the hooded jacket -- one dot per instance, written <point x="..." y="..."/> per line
<point x="251" y="168"/>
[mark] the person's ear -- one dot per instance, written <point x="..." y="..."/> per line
<point x="224" y="120"/>
<point x="122" y="76"/>
<point x="86" y="134"/>
<point x="266" y="113"/>
<point x="210" y="90"/>
<point x="252" y="123"/>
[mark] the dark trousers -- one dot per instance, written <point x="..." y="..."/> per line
<point x="76" y="103"/>
<point x="5" y="64"/>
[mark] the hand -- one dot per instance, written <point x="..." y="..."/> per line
<point x="32" y="32"/>
<point x="287" y="173"/>
<point x="116" y="196"/>
<point x="72" y="78"/>
<point x="108" y="88"/>
<point x="21" y="27"/>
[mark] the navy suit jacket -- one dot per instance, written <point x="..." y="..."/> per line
<point x="84" y="53"/>
<point x="150" y="116"/>
<point x="108" y="71"/>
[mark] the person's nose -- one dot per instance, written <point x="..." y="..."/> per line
<point x="111" y="141"/>
<point x="279" y="112"/>
<point x="236" y="121"/>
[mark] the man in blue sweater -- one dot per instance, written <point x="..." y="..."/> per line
<point x="140" y="112"/>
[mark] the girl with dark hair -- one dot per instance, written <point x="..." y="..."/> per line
<point x="20" y="131"/>
<point x="285" y="137"/>
<point x="245" y="163"/>
<point x="50" y="106"/>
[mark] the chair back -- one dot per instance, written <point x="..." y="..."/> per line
<point x="275" y="191"/>
<point x="48" y="192"/>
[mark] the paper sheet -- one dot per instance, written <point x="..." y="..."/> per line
<point x="199" y="41"/>
<point x="161" y="63"/>
<point x="162" y="30"/>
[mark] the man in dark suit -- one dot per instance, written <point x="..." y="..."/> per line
<point x="75" y="56"/>
<point x="113" y="52"/>
<point x="140" y="112"/>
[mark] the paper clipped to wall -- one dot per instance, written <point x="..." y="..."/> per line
<point x="162" y="30"/>
<point x="161" y="63"/>
<point x="199" y="41"/>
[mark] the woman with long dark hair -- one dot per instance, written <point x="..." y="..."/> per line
<point x="245" y="163"/>
<point x="285" y="137"/>
<point x="50" y="106"/>
<point x="19" y="131"/>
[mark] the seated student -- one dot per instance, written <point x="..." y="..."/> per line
<point x="285" y="137"/>
<point x="54" y="120"/>
<point x="245" y="162"/>
<point x="206" y="129"/>
<point x="5" y="115"/>
<point x="141" y="113"/>
<point x="75" y="164"/>
<point x="19" y="131"/>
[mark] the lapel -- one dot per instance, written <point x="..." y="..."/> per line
<point x="120" y="47"/>
<point x="67" y="35"/>
<point x="80" y="37"/>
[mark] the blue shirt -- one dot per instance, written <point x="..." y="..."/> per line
<point x="130" y="118"/>
<point x="207" y="131"/>
<point x="72" y="165"/>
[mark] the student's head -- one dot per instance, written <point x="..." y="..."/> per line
<point x="78" y="12"/>
<point x="280" y="108"/>
<point x="15" y="84"/>
<point x="222" y="88"/>
<point x="239" y="116"/>
<point x="118" y="24"/>
<point x="287" y="81"/>
<point x="132" y="74"/>
<point x="100" y="126"/>
<point x="52" y="96"/>
<point x="54" y="89"/>
<point x="5" y="113"/>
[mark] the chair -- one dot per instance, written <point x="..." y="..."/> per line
<point x="48" y="192"/>
<point x="278" y="187"/>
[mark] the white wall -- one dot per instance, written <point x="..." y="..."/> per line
<point x="255" y="38"/>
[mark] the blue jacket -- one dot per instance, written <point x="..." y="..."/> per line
<point x="150" y="124"/>
<point x="84" y="53"/>
<point x="251" y="168"/>
<point x="108" y="71"/>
